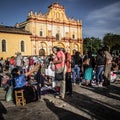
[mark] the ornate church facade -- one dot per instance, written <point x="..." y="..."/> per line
<point x="51" y="29"/>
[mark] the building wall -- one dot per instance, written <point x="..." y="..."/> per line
<point x="13" y="44"/>
<point x="54" y="22"/>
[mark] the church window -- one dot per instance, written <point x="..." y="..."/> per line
<point x="73" y="36"/>
<point x="3" y="45"/>
<point x="57" y="36"/>
<point x="22" y="46"/>
<point x="41" y="33"/>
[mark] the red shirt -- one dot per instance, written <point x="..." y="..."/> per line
<point x="12" y="61"/>
<point x="68" y="62"/>
<point x="31" y="62"/>
<point x="60" y="66"/>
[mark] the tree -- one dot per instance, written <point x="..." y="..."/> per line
<point x="112" y="41"/>
<point x="86" y="44"/>
<point x="92" y="44"/>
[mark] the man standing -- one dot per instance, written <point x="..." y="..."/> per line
<point x="59" y="62"/>
<point x="108" y="66"/>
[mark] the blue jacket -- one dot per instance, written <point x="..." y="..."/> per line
<point x="19" y="81"/>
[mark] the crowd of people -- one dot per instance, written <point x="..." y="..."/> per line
<point x="60" y="69"/>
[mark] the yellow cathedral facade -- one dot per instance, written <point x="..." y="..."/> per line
<point x="40" y="32"/>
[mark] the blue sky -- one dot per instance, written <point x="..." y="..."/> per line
<point x="98" y="16"/>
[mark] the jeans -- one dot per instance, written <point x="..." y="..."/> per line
<point x="75" y="74"/>
<point x="99" y="73"/>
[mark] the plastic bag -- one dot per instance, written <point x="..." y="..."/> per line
<point x="50" y="72"/>
<point x="9" y="94"/>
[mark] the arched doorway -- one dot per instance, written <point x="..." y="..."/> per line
<point x="42" y="52"/>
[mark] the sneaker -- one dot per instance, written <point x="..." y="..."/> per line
<point x="95" y="86"/>
<point x="100" y="85"/>
<point x="74" y="83"/>
<point x="58" y="97"/>
<point x="62" y="97"/>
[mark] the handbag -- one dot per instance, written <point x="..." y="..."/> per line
<point x="9" y="94"/>
<point x="59" y="76"/>
<point x="49" y="72"/>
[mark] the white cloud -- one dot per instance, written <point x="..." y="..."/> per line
<point x="104" y="20"/>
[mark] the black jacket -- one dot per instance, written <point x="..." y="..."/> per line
<point x="100" y="60"/>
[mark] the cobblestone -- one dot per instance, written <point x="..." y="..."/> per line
<point x="87" y="103"/>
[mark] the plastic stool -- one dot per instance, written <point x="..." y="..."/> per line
<point x="19" y="97"/>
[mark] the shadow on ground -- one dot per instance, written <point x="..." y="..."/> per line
<point x="62" y="113"/>
<point x="106" y="91"/>
<point x="95" y="108"/>
<point x="2" y="111"/>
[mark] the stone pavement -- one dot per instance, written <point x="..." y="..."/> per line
<point x="87" y="103"/>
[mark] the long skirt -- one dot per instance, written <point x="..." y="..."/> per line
<point x="88" y="74"/>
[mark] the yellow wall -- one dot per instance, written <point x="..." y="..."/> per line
<point x="54" y="21"/>
<point x="13" y="44"/>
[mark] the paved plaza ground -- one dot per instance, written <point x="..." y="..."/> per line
<point x="87" y="103"/>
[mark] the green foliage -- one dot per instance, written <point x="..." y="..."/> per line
<point x="112" y="41"/>
<point x="91" y="44"/>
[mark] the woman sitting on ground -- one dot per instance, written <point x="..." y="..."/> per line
<point x="19" y="83"/>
